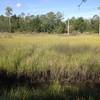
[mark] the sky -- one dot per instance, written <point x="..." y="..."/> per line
<point x="69" y="8"/>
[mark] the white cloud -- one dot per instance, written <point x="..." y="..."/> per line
<point x="18" y="5"/>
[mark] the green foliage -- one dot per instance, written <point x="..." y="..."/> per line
<point x="95" y="23"/>
<point x="49" y="23"/>
<point x="4" y="25"/>
<point x="80" y="25"/>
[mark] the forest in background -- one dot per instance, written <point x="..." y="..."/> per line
<point x="50" y="22"/>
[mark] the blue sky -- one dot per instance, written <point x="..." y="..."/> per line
<point x="69" y="8"/>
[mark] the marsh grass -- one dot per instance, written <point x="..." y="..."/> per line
<point x="53" y="60"/>
<point x="54" y="92"/>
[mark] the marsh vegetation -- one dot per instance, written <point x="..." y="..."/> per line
<point x="49" y="67"/>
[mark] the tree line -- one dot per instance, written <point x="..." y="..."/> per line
<point x="48" y="23"/>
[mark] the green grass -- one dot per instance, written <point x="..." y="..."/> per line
<point x="31" y="53"/>
<point x="51" y="58"/>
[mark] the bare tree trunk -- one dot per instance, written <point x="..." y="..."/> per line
<point x="9" y="24"/>
<point x="68" y="27"/>
<point x="99" y="25"/>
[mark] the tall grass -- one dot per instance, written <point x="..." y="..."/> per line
<point x="50" y="58"/>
